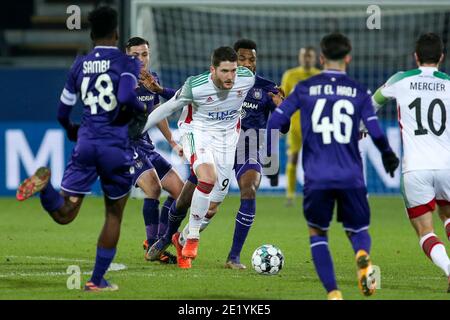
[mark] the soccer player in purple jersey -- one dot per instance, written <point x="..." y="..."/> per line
<point x="256" y="108"/>
<point x="152" y="172"/>
<point x="332" y="106"/>
<point x="106" y="78"/>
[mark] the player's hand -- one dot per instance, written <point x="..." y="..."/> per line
<point x="390" y="162"/>
<point x="277" y="98"/>
<point x="72" y="132"/>
<point x="147" y="80"/>
<point x="178" y="149"/>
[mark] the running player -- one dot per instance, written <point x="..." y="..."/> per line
<point x="152" y="171"/>
<point x="423" y="101"/>
<point x="307" y="61"/>
<point x="211" y="125"/>
<point x="106" y="78"/>
<point x="332" y="106"/>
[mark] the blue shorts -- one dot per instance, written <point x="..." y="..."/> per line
<point x="113" y="164"/>
<point x="145" y="159"/>
<point x="246" y="159"/>
<point x="352" y="208"/>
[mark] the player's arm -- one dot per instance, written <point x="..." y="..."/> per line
<point x="67" y="100"/>
<point x="178" y="101"/>
<point x="163" y="126"/>
<point x="150" y="83"/>
<point x="280" y="119"/>
<point x="386" y="92"/>
<point x="370" y="120"/>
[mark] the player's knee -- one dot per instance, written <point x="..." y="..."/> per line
<point x="248" y="191"/>
<point x="206" y="173"/>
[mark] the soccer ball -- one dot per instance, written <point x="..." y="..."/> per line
<point x="267" y="260"/>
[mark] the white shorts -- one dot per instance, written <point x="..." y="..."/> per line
<point x="422" y="189"/>
<point x="212" y="147"/>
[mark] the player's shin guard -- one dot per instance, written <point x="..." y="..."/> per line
<point x="244" y="220"/>
<point x="102" y="261"/>
<point x="151" y="219"/>
<point x="164" y="216"/>
<point x="51" y="200"/>
<point x="435" y="250"/>
<point x="360" y="241"/>
<point x="323" y="262"/>
<point x="447" y="228"/>
<point x="199" y="208"/>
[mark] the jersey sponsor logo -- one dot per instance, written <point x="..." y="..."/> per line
<point x="99" y="66"/>
<point x="243" y="113"/>
<point x="223" y="115"/>
<point x="257" y="94"/>
<point x="145" y="98"/>
<point x="250" y="105"/>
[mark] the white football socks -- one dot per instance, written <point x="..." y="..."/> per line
<point x="199" y="208"/>
<point x="437" y="254"/>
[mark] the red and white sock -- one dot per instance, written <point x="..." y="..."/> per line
<point x="199" y="208"/>
<point x="447" y="228"/>
<point x="435" y="250"/>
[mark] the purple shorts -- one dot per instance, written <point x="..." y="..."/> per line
<point x="352" y="208"/>
<point x="145" y="159"/>
<point x="113" y="164"/>
<point x="245" y="160"/>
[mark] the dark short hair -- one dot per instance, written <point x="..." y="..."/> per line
<point x="244" y="44"/>
<point x="223" y="54"/>
<point x="103" y="22"/>
<point x="429" y="48"/>
<point x="335" y="46"/>
<point x="136" y="41"/>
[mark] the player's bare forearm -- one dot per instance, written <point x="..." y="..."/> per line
<point x="163" y="126"/>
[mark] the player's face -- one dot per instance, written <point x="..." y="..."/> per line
<point x="247" y="58"/>
<point x="142" y="53"/>
<point x="307" y="58"/>
<point x="223" y="76"/>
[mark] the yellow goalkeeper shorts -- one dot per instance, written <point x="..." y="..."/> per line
<point x="294" y="138"/>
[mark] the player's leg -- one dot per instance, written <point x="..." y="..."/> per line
<point x="249" y="178"/>
<point x="419" y="196"/>
<point x="107" y="244"/>
<point x="354" y="213"/>
<point x="442" y="188"/>
<point x="444" y="215"/>
<point x="318" y="211"/>
<point x="114" y="165"/>
<point x="294" y="144"/>
<point x="149" y="183"/>
<point x="173" y="184"/>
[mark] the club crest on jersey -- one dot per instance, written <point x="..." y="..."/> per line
<point x="239" y="94"/>
<point x="257" y="94"/>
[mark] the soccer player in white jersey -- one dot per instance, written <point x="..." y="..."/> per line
<point x="423" y="100"/>
<point x="210" y="125"/>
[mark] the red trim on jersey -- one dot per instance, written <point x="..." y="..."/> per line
<point x="399" y="118"/>
<point x="189" y="114"/>
<point x="429" y="244"/>
<point x="442" y="203"/>
<point x="192" y="160"/>
<point x="238" y="125"/>
<point x="422" y="209"/>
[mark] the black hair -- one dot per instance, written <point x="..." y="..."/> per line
<point x="223" y="54"/>
<point x="103" y="22"/>
<point x="244" y="44"/>
<point x="429" y="48"/>
<point x="136" y="41"/>
<point x="335" y="46"/>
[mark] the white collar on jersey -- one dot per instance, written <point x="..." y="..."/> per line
<point x="105" y="47"/>
<point x="428" y="68"/>
<point x="334" y="71"/>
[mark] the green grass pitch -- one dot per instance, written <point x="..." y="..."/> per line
<point x="35" y="253"/>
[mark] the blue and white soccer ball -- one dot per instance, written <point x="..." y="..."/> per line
<point x="267" y="260"/>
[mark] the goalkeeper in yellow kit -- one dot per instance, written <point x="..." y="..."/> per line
<point x="306" y="69"/>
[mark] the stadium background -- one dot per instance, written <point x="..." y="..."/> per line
<point x="36" y="50"/>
